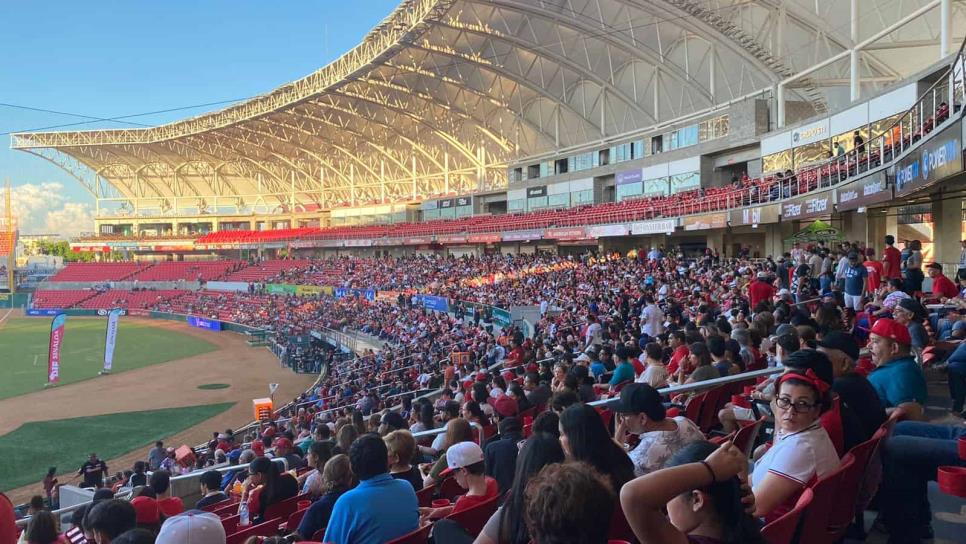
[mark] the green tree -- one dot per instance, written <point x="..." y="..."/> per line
<point x="61" y="248"/>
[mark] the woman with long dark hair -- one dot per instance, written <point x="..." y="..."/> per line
<point x="506" y="525"/>
<point x="42" y="529"/>
<point x="267" y="486"/>
<point x="702" y="493"/>
<point x="584" y="437"/>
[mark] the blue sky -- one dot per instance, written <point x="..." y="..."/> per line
<point x="114" y="58"/>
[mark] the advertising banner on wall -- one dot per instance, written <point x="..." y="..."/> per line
<point x="308" y="290"/>
<point x="755" y="216"/>
<point x="806" y="207"/>
<point x="439" y="304"/>
<point x="565" y="233"/>
<point x="43" y="312"/>
<point x="629" y="176"/>
<point x="226" y="286"/>
<point x="358" y="243"/>
<point x="452" y="239"/>
<point x="657" y="187"/>
<point x="870" y="190"/>
<point x="662" y="226"/>
<point x="464" y="201"/>
<point x="502" y="317"/>
<point x="534" y="192"/>
<point x="601" y="231"/>
<point x="522" y="235"/>
<point x="280" y="289"/>
<point x="58" y="327"/>
<point x="202" y="323"/>
<point x="483" y="238"/>
<point x="705" y="222"/>
<point x="940" y="157"/>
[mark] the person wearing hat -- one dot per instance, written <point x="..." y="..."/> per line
<point x="640" y="411"/>
<point x="194" y="526"/>
<point x="910" y="313"/>
<point x="897" y="378"/>
<point x="148" y="514"/>
<point x="942" y="287"/>
<point x="465" y="461"/>
<point x="761" y="290"/>
<point x="284" y="448"/>
<point x="853" y="388"/>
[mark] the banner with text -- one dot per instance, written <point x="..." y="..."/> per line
<point x="110" y="337"/>
<point x="202" y="323"/>
<point x="57" y="328"/>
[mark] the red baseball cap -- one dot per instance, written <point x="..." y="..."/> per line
<point x="283" y="442"/>
<point x="889" y="328"/>
<point x="506" y="406"/>
<point x="146" y="509"/>
<point x="481" y="377"/>
<point x="508" y="375"/>
<point x="258" y="448"/>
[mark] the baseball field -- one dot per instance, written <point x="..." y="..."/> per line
<point x="169" y="382"/>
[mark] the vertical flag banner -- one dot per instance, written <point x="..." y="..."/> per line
<point x="57" y="327"/>
<point x="110" y="338"/>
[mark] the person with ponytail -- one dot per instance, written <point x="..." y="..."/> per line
<point x="702" y="492"/>
<point x="267" y="486"/>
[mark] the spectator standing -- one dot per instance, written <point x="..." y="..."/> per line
<point x="51" y="488"/>
<point x="761" y="290"/>
<point x="854" y="277"/>
<point x="93" y="471"/>
<point x="891" y="259"/>
<point x="156" y="455"/>
<point x="380" y="508"/>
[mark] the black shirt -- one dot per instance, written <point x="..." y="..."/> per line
<point x="93" y="472"/>
<point x="138" y="479"/>
<point x="860" y="397"/>
<point x="210" y="499"/>
<point x="500" y="459"/>
<point x="412" y="476"/>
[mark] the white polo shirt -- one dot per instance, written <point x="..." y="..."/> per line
<point x="798" y="456"/>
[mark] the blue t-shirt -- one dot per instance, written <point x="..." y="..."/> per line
<point x="598" y="369"/>
<point x="900" y="380"/>
<point x="375" y="511"/>
<point x="855" y="279"/>
<point x="623" y="373"/>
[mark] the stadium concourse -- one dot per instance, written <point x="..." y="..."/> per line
<point x="632" y="336"/>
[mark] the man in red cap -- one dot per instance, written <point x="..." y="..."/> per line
<point x="284" y="448"/>
<point x="897" y="379"/>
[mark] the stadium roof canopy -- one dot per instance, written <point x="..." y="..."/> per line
<point x="443" y="93"/>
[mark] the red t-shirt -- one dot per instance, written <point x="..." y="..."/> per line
<point x="892" y="256"/>
<point x="638" y="366"/>
<point x="172" y="506"/>
<point x="944" y="287"/>
<point x="680" y="353"/>
<point x="874" y="268"/>
<point x="759" y="291"/>
<point x="466" y="502"/>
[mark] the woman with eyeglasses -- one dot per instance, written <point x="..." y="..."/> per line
<point x="802" y="450"/>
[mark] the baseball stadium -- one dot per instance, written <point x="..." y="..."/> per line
<point x="548" y="271"/>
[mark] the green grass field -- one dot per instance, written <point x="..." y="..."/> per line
<point x="65" y="443"/>
<point x="23" y="350"/>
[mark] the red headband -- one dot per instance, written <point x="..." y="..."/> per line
<point x="810" y="377"/>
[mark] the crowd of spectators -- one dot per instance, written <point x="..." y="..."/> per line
<point x="850" y="334"/>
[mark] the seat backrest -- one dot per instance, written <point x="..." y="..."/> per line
<point x="419" y="536"/>
<point x="816" y="520"/>
<point x="282" y="509"/>
<point x="230" y="523"/>
<point x="620" y="529"/>
<point x="692" y="410"/>
<point x="218" y="505"/>
<point x="295" y="519"/>
<point x="473" y="519"/>
<point x="268" y="528"/>
<point x="745" y="436"/>
<point x="843" y="511"/>
<point x="449" y="489"/>
<point x="872" y="473"/>
<point x="709" y="409"/>
<point x="425" y="495"/>
<point x="782" y="530"/>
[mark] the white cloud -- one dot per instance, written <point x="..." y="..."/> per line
<point x="42" y="208"/>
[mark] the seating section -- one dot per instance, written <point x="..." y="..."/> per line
<point x="188" y="270"/>
<point x="266" y="270"/>
<point x="120" y="298"/>
<point x="98" y="271"/>
<point x="61" y="299"/>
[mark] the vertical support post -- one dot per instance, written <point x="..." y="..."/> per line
<point x="446" y="172"/>
<point x="945" y="27"/>
<point x="854" y="79"/>
<point x="556" y="129"/>
<point x="657" y="98"/>
<point x="352" y="184"/>
<point x="414" y="176"/>
<point x="780" y="98"/>
<point x="382" y="180"/>
<point x="711" y="71"/>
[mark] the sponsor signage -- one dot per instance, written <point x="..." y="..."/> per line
<point x="663" y="226"/>
<point x="439" y="304"/>
<point x="226" y="286"/>
<point x="658" y="186"/>
<point x="452" y="239"/>
<point x="110" y="337"/>
<point x="280" y="289"/>
<point x="368" y="294"/>
<point x="57" y="329"/>
<point x="358" y="243"/>
<point x="522" y="235"/>
<point x="138" y="312"/>
<point x="629" y="176"/>
<point x="601" y="231"/>
<point x="804" y="208"/>
<point x="565" y="233"/>
<point x="464" y="201"/>
<point x="448" y="203"/>
<point x="502" y="317"/>
<point x="940" y="157"/>
<point x="202" y="323"/>
<point x="43" y="312"/>
<point x="705" y="222"/>
<point x="755" y="216"/>
<point x="103" y="311"/>
<point x="483" y="238"/>
<point x="811" y="133"/>
<point x="418" y="241"/>
<point x="308" y="290"/>
<point x="533" y="192"/>
<point x="866" y="191"/>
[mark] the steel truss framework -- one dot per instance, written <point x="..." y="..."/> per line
<point x="443" y="93"/>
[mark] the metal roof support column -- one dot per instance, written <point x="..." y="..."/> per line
<point x="945" y="27"/>
<point x="603" y="112"/>
<point x="291" y="200"/>
<point x="657" y="89"/>
<point x="446" y="172"/>
<point x="414" y="176"/>
<point x="352" y="184"/>
<point x="854" y="80"/>
<point x="322" y="187"/>
<point x="780" y="98"/>
<point x="382" y="180"/>
<point x="711" y="71"/>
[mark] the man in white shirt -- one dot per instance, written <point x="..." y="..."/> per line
<point x="592" y="336"/>
<point x="640" y="411"/>
<point x="652" y="318"/>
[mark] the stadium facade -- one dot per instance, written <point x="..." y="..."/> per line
<point x="637" y="116"/>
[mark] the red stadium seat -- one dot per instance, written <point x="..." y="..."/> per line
<point x="815" y="523"/>
<point x="419" y="536"/>
<point x="783" y="530"/>
<point x="267" y="528"/>
<point x="473" y="519"/>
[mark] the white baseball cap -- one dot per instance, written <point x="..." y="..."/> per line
<point x="463" y="454"/>
<point x="192" y="527"/>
